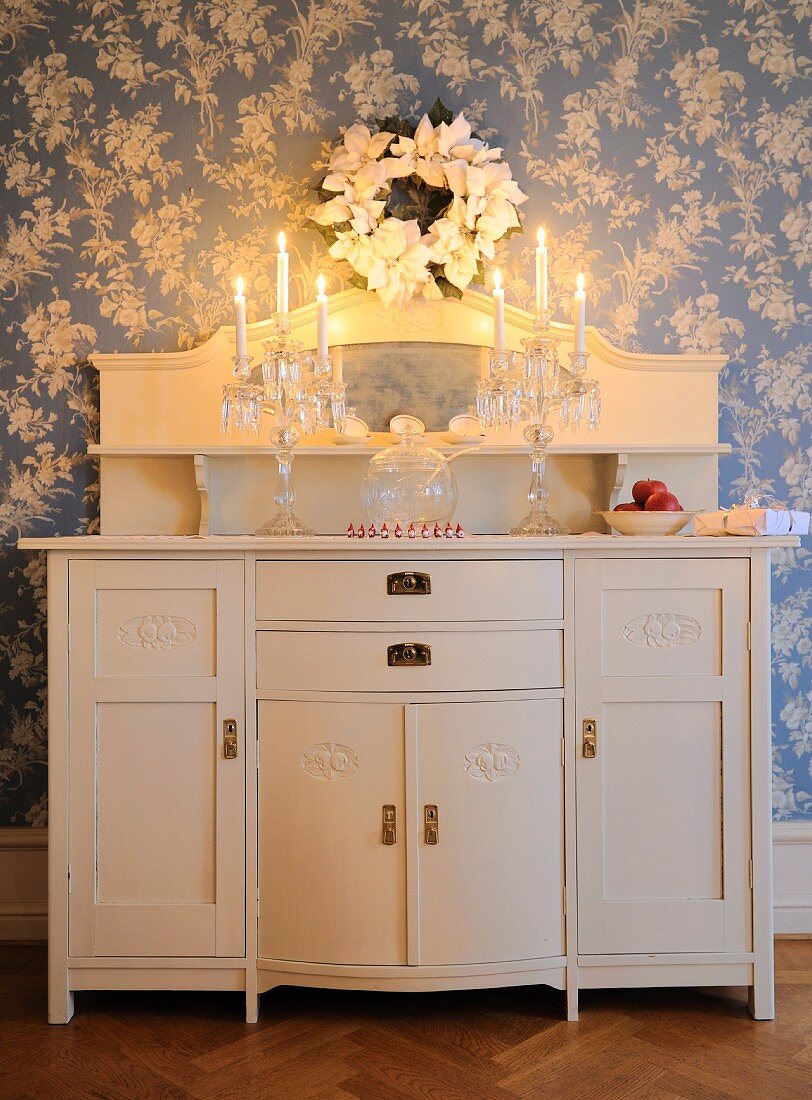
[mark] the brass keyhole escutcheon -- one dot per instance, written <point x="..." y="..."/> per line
<point x="408" y="655"/>
<point x="590" y="738"/>
<point x="431" y="825"/>
<point x="409" y="583"/>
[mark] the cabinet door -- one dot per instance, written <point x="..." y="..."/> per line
<point x="331" y="889"/>
<point x="157" y="814"/>
<point x="663" y="839"/>
<point x="491" y="887"/>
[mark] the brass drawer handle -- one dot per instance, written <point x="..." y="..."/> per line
<point x="389" y="825"/>
<point x="408" y="655"/>
<point x="408" y="584"/>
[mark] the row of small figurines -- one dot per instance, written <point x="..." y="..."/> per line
<point x="411" y="532"/>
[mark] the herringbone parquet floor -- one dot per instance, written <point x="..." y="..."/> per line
<point x="323" y="1045"/>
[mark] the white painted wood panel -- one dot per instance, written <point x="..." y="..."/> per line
<point x="330" y="890"/>
<point x="464" y="591"/>
<point x="461" y="660"/>
<point x="491" y="888"/>
<point x="662" y="814"/>
<point x="157" y="832"/>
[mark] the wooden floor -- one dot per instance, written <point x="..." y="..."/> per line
<point x="652" y="1044"/>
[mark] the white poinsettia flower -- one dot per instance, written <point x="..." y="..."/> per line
<point x="366" y="215"/>
<point x="332" y="212"/>
<point x="458" y="133"/>
<point x="497" y="218"/>
<point x="358" y="148"/>
<point x="464" y="212"/>
<point x="399" y="261"/>
<point x="466" y="179"/>
<point x="422" y="153"/>
<point x="335" y="181"/>
<point x="454" y="248"/>
<point x="354" y="248"/>
<point x="499" y="183"/>
<point x="485" y="154"/>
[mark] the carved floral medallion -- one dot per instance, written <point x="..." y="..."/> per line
<point x="157" y="632"/>
<point x="491" y="762"/>
<point x="329" y="761"/>
<point x="662" y="630"/>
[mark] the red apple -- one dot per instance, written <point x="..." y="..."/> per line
<point x="630" y="507"/>
<point x="663" y="502"/>
<point x="642" y="490"/>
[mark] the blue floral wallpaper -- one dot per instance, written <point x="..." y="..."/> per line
<point x="151" y="149"/>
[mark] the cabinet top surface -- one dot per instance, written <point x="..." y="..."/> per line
<point x="339" y="544"/>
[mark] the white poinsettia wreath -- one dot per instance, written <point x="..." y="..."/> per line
<point x="416" y="210"/>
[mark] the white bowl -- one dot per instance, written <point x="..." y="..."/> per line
<point x="465" y="427"/>
<point x="402" y="423"/>
<point x="355" y="431"/>
<point x="647" y="523"/>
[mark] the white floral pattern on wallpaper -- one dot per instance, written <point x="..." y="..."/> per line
<point x="151" y="150"/>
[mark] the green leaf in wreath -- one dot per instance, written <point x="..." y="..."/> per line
<point x="447" y="288"/>
<point x="358" y="280"/>
<point x="393" y="125"/>
<point x="440" y="113"/>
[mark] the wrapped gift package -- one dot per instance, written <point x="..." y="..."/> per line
<point x="752" y="521"/>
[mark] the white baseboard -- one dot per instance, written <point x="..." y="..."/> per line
<point x="792" y="874"/>
<point x="23" y="884"/>
<point x="24" y="881"/>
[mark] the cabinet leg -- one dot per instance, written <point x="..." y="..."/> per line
<point x="761" y="998"/>
<point x="572" y="1001"/>
<point x="60" y="1003"/>
<point x="251" y="1006"/>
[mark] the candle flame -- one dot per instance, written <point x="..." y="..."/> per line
<point x="320" y="285"/>
<point x="240" y="286"/>
<point x="281" y="242"/>
<point x="579" y="282"/>
<point x="497" y="280"/>
<point x="540" y="236"/>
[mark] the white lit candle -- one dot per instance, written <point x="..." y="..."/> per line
<point x="541" y="272"/>
<point x="239" y="318"/>
<point x="282" y="277"/>
<point x="579" y="316"/>
<point x="321" y="318"/>
<point x="498" y="312"/>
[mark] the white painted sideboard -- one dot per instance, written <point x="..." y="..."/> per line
<point x="274" y="762"/>
<point x="575" y="791"/>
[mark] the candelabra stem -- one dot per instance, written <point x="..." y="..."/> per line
<point x="285" y="523"/>
<point x="538" y="522"/>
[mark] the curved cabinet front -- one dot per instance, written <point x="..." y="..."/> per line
<point x="480" y="827"/>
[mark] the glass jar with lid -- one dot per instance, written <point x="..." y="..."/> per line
<point x="410" y="482"/>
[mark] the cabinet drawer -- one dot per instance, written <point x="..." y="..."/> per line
<point x="359" y="591"/>
<point x="461" y="660"/>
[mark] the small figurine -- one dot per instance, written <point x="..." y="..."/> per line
<point x="425" y="533"/>
<point x="350" y="532"/>
<point x="398" y="531"/>
<point x="411" y="532"/>
<point x="361" y="532"/>
<point x="438" y="534"/>
<point x="384" y="530"/>
<point x="449" y="531"/>
<point x="372" y="532"/>
<point x="459" y="532"/>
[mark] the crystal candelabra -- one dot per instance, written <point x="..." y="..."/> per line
<point x="526" y="388"/>
<point x="300" y="395"/>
